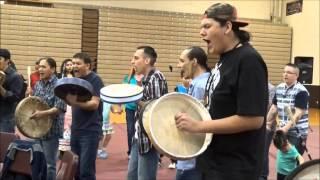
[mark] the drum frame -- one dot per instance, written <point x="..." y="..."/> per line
<point x="2" y="77"/>
<point x="120" y="99"/>
<point x="76" y="83"/>
<point x="300" y="169"/>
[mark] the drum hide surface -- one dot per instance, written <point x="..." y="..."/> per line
<point x="159" y="123"/>
<point x="32" y="128"/>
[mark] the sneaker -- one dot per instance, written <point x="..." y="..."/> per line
<point x="172" y="166"/>
<point x="102" y="154"/>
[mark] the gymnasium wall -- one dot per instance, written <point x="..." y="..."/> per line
<point x="121" y="30"/>
<point x="257" y="9"/>
<point x="305" y="37"/>
<point x="31" y="32"/>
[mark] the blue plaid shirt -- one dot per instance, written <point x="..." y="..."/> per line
<point x="294" y="96"/>
<point x="44" y="90"/>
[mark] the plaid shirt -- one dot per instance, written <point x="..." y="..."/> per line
<point x="154" y="86"/>
<point x="287" y="96"/>
<point x="45" y="90"/>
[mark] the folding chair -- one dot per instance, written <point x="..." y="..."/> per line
<point x="68" y="166"/>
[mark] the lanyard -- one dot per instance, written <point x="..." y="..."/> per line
<point x="211" y="83"/>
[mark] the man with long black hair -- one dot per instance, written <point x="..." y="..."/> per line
<point x="237" y="92"/>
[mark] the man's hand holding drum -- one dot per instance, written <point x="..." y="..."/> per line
<point x="186" y="123"/>
<point x="71" y="99"/>
<point x="39" y="114"/>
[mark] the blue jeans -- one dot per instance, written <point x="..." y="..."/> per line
<point x="130" y="126"/>
<point x="281" y="176"/>
<point x="190" y="174"/>
<point x="7" y="123"/>
<point x="142" y="166"/>
<point x="50" y="150"/>
<point x="85" y="146"/>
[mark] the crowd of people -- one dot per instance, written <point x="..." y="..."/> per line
<point x="247" y="113"/>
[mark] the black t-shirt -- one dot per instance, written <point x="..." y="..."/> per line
<point x="84" y="121"/>
<point x="242" y="89"/>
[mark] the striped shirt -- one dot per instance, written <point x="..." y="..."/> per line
<point x="45" y="90"/>
<point x="154" y="86"/>
<point x="294" y="96"/>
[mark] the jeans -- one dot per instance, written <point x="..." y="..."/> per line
<point x="7" y="123"/>
<point x="130" y="127"/>
<point x="85" y="145"/>
<point x="281" y="176"/>
<point x="265" y="166"/>
<point x="190" y="174"/>
<point x="50" y="150"/>
<point x="142" y="166"/>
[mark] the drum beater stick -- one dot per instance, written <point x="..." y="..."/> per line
<point x="29" y="78"/>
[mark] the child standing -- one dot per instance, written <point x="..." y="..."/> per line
<point x="287" y="155"/>
<point x="107" y="130"/>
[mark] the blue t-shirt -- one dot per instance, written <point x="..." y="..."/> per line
<point x="287" y="161"/>
<point x="180" y="88"/>
<point x="133" y="105"/>
<point x="84" y="121"/>
<point x="196" y="90"/>
<point x="106" y="112"/>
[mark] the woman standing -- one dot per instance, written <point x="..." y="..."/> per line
<point x="130" y="108"/>
<point x="66" y="71"/>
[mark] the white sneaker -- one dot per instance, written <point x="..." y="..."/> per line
<point x="102" y="154"/>
<point x="172" y="166"/>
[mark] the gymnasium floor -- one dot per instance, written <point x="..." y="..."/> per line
<point x="115" y="167"/>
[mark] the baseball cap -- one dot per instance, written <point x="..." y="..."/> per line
<point x="224" y="11"/>
<point x="5" y="53"/>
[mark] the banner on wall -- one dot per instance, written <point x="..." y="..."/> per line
<point x="294" y="7"/>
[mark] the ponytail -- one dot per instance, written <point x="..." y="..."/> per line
<point x="243" y="36"/>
